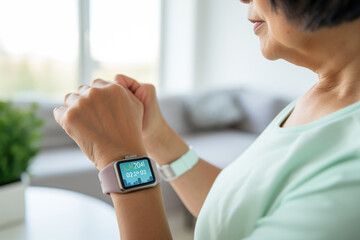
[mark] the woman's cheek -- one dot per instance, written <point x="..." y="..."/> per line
<point x="269" y="45"/>
<point x="288" y="35"/>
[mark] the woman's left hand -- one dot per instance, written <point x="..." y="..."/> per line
<point x="104" y="120"/>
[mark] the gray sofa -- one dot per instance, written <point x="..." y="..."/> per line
<point x="62" y="165"/>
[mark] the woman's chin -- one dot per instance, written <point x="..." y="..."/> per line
<point x="269" y="51"/>
<point x="270" y="55"/>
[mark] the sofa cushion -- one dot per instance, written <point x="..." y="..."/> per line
<point x="260" y="109"/>
<point x="213" y="110"/>
<point x="172" y="108"/>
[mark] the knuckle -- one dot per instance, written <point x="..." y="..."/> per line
<point x="150" y="90"/>
<point x="67" y="96"/>
<point x="71" y="98"/>
<point x="150" y="87"/>
<point x="67" y="128"/>
<point x="82" y="103"/>
<point x="69" y="131"/>
<point x="114" y="87"/>
<point x="97" y="80"/>
<point x="94" y="92"/>
<point x="71" y="116"/>
<point x="114" y="90"/>
<point x="68" y="120"/>
<point x="81" y="87"/>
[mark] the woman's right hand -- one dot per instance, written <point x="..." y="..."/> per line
<point x="161" y="142"/>
<point x="154" y="124"/>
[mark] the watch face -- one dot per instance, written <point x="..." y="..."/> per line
<point x="135" y="173"/>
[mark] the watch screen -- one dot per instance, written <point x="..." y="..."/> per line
<point x="135" y="173"/>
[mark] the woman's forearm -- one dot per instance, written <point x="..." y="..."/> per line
<point x="141" y="215"/>
<point x="194" y="185"/>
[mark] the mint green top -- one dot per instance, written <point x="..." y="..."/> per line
<point x="293" y="183"/>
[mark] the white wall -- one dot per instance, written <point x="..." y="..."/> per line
<point x="177" y="46"/>
<point x="226" y="52"/>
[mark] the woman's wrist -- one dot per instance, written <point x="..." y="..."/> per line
<point x="166" y="146"/>
<point x="113" y="156"/>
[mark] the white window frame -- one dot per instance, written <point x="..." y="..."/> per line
<point x="85" y="59"/>
<point x="87" y="64"/>
<point x="178" y="48"/>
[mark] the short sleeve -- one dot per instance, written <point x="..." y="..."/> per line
<point x="325" y="209"/>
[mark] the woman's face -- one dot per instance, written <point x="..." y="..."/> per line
<point x="278" y="37"/>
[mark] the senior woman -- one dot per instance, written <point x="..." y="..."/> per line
<point x="301" y="177"/>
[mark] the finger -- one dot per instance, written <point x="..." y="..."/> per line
<point x="99" y="83"/>
<point x="127" y="82"/>
<point x="59" y="113"/>
<point x="71" y="98"/>
<point x="82" y="89"/>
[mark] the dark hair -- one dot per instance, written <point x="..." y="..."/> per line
<point x="315" y="14"/>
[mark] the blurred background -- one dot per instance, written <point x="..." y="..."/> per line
<point x="49" y="47"/>
<point x="201" y="55"/>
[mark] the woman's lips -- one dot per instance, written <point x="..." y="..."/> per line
<point x="257" y="23"/>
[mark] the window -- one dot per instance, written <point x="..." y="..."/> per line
<point x="124" y="38"/>
<point x="47" y="47"/>
<point x="38" y="48"/>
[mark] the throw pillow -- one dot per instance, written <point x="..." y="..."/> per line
<point x="213" y="111"/>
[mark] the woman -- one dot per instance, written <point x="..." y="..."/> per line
<point x="301" y="177"/>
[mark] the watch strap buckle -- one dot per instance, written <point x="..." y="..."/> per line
<point x="166" y="172"/>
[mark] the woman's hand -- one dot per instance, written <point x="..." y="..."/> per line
<point x="154" y="124"/>
<point x="164" y="145"/>
<point x="161" y="142"/>
<point x="104" y="120"/>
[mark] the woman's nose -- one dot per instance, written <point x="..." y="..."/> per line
<point x="245" y="1"/>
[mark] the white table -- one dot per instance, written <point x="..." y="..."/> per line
<point x="56" y="214"/>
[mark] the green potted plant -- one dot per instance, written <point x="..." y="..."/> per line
<point x="20" y="135"/>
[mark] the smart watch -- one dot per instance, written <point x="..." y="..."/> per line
<point x="129" y="174"/>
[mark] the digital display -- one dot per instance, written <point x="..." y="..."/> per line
<point x="136" y="173"/>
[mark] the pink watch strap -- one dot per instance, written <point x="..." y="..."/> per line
<point x="108" y="180"/>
